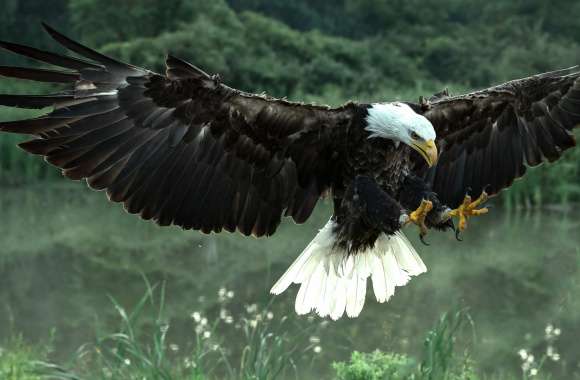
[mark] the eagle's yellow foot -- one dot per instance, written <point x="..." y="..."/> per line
<point x="468" y="209"/>
<point x="418" y="217"/>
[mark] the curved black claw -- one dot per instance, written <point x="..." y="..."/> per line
<point x="457" y="232"/>
<point x="422" y="238"/>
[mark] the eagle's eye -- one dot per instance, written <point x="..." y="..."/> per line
<point x="415" y="136"/>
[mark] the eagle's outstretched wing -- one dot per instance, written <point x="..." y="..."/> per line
<point x="182" y="148"/>
<point x="488" y="138"/>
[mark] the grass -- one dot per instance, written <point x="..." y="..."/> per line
<point x="18" y="359"/>
<point x="440" y="360"/>
<point x="140" y="349"/>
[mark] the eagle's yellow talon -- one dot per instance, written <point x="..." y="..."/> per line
<point x="468" y="209"/>
<point x="418" y="216"/>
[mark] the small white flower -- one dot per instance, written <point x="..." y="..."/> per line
<point x="215" y="347"/>
<point x="199" y="329"/>
<point x="229" y="320"/>
<point x="523" y="354"/>
<point x="127" y="361"/>
<point x="314" y="339"/>
<point x="251" y="308"/>
<point x="174" y="347"/>
<point x="526" y="366"/>
<point x="557" y="332"/>
<point x="555" y="357"/>
<point x="196" y="316"/>
<point x="549" y="329"/>
<point x="206" y="334"/>
<point x="223" y="313"/>
<point x="222" y="292"/>
<point x="530" y="358"/>
<point x="230" y="294"/>
<point x="269" y="315"/>
<point x="203" y="321"/>
<point x="253" y="323"/>
<point x="533" y="372"/>
<point x="317" y="349"/>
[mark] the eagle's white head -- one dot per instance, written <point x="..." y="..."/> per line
<point x="398" y="122"/>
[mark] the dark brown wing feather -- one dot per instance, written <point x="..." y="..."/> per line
<point x="487" y="139"/>
<point x="183" y="148"/>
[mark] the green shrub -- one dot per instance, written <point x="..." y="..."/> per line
<point x="376" y="366"/>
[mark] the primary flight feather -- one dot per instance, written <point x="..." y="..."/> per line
<point x="185" y="149"/>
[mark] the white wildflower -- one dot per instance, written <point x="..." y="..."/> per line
<point x="164" y="328"/>
<point x="269" y="315"/>
<point x="533" y="372"/>
<point x="523" y="354"/>
<point x="250" y="309"/>
<point x="206" y="334"/>
<point x="196" y="316"/>
<point x="230" y="294"/>
<point x="127" y="361"/>
<point x="314" y="339"/>
<point x="317" y="349"/>
<point x="174" y="347"/>
<point x="526" y="367"/>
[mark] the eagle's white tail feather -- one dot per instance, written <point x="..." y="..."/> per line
<point x="333" y="281"/>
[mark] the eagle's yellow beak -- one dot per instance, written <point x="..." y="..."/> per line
<point x="427" y="149"/>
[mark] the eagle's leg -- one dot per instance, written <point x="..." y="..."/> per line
<point x="419" y="215"/>
<point x="429" y="212"/>
<point x="469" y="208"/>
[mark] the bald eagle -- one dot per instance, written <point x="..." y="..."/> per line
<point x="185" y="149"/>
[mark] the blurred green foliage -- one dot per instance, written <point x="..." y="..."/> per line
<point x="330" y="52"/>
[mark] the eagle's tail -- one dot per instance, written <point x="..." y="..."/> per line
<point x="332" y="280"/>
